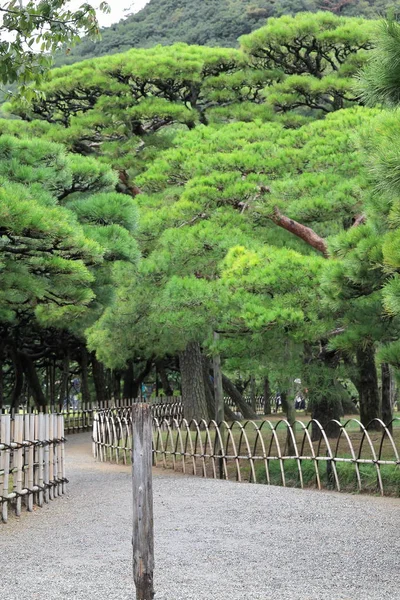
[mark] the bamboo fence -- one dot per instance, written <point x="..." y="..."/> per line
<point x="80" y="418"/>
<point x="32" y="465"/>
<point x="358" y="458"/>
<point x="259" y="403"/>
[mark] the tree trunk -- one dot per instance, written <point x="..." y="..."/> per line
<point x="236" y="396"/>
<point x="2" y="356"/>
<point x="84" y="375"/>
<point x="33" y="381"/>
<point x="52" y="383"/>
<point x="137" y="382"/>
<point x="18" y="379"/>
<point x="229" y="414"/>
<point x="210" y="399"/>
<point x="387" y="414"/>
<point x="267" y="397"/>
<point x="109" y="383"/>
<point x="63" y="396"/>
<point x="98" y="379"/>
<point x="288" y="409"/>
<point x="368" y="386"/>
<point x="218" y="387"/>
<point x="253" y="393"/>
<point x="128" y="381"/>
<point x="193" y="388"/>
<point x="324" y="395"/>
<point x="116" y="384"/>
<point x="168" y="391"/>
<point x="325" y="411"/>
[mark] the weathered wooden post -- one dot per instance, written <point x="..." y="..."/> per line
<point x="219" y="405"/>
<point x="143" y="529"/>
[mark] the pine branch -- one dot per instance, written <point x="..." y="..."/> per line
<point x="307" y="234"/>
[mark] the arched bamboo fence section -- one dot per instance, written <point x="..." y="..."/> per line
<point x="359" y="458"/>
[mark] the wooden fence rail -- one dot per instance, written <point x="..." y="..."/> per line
<point x="32" y="466"/>
<point x="358" y="458"/>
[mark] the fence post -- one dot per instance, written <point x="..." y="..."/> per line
<point x="143" y="530"/>
<point x="219" y="407"/>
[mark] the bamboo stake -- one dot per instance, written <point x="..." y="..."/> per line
<point x="51" y="457"/>
<point x="26" y="437"/>
<point x="18" y="453"/>
<point x="40" y="459"/>
<point x="143" y="529"/>
<point x="62" y="451"/>
<point x="31" y="458"/>
<point x="6" y="437"/>
<point x="46" y="457"/>
<point x="59" y="421"/>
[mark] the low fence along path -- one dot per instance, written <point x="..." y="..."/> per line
<point x="214" y="540"/>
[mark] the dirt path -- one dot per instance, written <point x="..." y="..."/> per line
<point x="214" y="540"/>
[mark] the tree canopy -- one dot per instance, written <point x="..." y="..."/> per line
<point x="45" y="25"/>
<point x="268" y="228"/>
<point x="210" y="22"/>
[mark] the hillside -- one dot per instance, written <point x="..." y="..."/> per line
<point x="207" y="23"/>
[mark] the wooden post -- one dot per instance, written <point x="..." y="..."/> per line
<point x="219" y="405"/>
<point x="143" y="531"/>
<point x="253" y="393"/>
<point x="218" y="389"/>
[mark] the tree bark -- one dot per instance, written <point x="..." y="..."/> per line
<point x="229" y="414"/>
<point x="168" y="391"/>
<point x="325" y="411"/>
<point x="267" y="397"/>
<point x="2" y="356"/>
<point x="387" y="407"/>
<point x="128" y="381"/>
<point x="18" y="379"/>
<point x="210" y="399"/>
<point x="218" y="387"/>
<point x="137" y="382"/>
<point x="367" y="387"/>
<point x="301" y="231"/>
<point x="253" y="393"/>
<point x="288" y="409"/>
<point x="32" y="378"/>
<point x="236" y="396"/>
<point x="192" y="377"/>
<point x="52" y="383"/>
<point x="98" y="379"/>
<point x="84" y="375"/>
<point x="116" y="384"/>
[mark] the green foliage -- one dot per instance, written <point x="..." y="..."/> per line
<point x="209" y="22"/>
<point x="317" y="53"/>
<point x="213" y="258"/>
<point x="53" y="255"/>
<point x="379" y="82"/>
<point x="47" y="24"/>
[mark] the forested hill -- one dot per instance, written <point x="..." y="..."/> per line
<point x="206" y="22"/>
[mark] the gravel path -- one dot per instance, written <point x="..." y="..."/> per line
<point x="214" y="540"/>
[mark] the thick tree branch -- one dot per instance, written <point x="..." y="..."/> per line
<point x="305" y="233"/>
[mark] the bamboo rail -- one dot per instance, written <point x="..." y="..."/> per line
<point x="360" y="458"/>
<point x="32" y="468"/>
